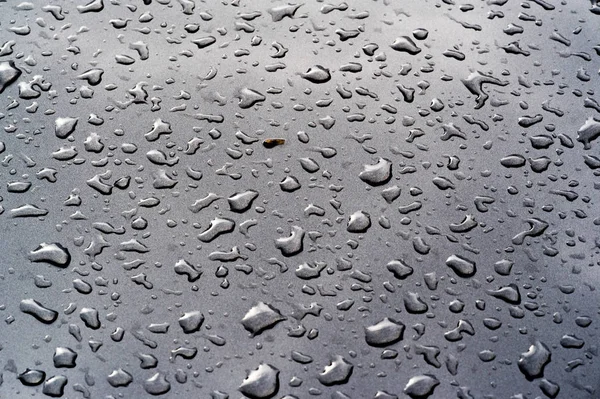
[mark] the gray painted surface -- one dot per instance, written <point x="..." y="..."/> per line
<point x="397" y="216"/>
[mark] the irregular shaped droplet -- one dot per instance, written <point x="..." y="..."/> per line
<point x="377" y="174"/>
<point x="119" y="378"/>
<point x="290" y="184"/>
<point x="399" y="269"/>
<point x="90" y="318"/>
<point x="28" y="210"/>
<point x="463" y="267"/>
<point x="358" y="222"/>
<point x="533" y="362"/>
<point x="31" y="377"/>
<point x="405" y="44"/>
<point x="241" y="202"/>
<point x="509" y="293"/>
<point x="286" y="10"/>
<point x="185" y="268"/>
<point x="161" y="180"/>
<point x="570" y="341"/>
<point x="157" y="384"/>
<point x="8" y="74"/>
<point x="64" y="357"/>
<point x="53" y="253"/>
<point x="262" y="382"/>
<point x="540" y="164"/>
<point x="98" y="184"/>
<point x="317" y="74"/>
<point x="537" y="227"/>
<point x="124" y="59"/>
<point x="64" y="127"/>
<point x="467" y="224"/>
<point x="191" y="322"/>
<point x="548" y="387"/>
<point x="292" y="245"/>
<point x="391" y="194"/>
<point x="474" y="83"/>
<point x="588" y="132"/>
<point x="414" y="304"/>
<point x="261" y="317"/>
<point x="420" y="33"/>
<point x="158" y="157"/>
<point x="309" y="165"/>
<point x="204" y="41"/>
<point x="159" y="128"/>
<point x="249" y="97"/>
<point x="593" y="162"/>
<point x="421" y="386"/>
<point x="384" y="333"/>
<point x="55" y="386"/>
<point x="383" y="395"/>
<point x="39" y="311"/>
<point x="530" y="120"/>
<point x="217" y="227"/>
<point x="17" y="186"/>
<point x="337" y="372"/>
<point x="451" y="130"/>
<point x="443" y="183"/>
<point x="503" y="267"/>
<point x="147" y="361"/>
<point x="308" y="271"/>
<point x="515" y="48"/>
<point x="513" y="161"/>
<point x="541" y="141"/>
<point x="92" y="76"/>
<point x="65" y="153"/>
<point x="202" y="203"/>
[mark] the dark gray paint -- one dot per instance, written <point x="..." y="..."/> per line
<point x="555" y="272"/>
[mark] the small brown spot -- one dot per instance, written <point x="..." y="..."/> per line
<point x="271" y="143"/>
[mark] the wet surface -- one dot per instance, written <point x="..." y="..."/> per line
<point x="363" y="199"/>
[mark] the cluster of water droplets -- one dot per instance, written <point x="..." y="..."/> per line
<point x="357" y="200"/>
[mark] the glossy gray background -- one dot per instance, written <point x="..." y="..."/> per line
<point x="175" y="64"/>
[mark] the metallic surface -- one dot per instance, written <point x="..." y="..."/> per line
<point x="248" y="192"/>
